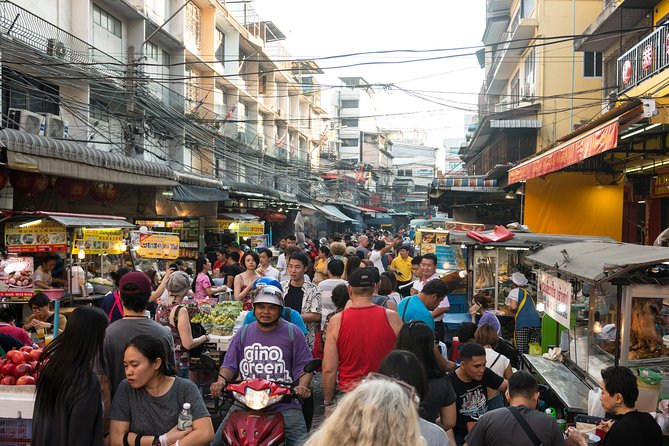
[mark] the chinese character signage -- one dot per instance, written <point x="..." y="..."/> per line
<point x="557" y="295"/>
<point x="661" y="186"/>
<point x="250" y="229"/>
<point x="97" y="241"/>
<point x="155" y="245"/>
<point x="37" y="236"/>
<point x="16" y="277"/>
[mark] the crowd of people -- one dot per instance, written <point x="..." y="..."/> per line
<point x="370" y="308"/>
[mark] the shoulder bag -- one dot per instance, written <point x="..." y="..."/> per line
<point x="526" y="427"/>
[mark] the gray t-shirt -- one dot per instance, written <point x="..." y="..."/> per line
<point x="500" y="428"/>
<point x="150" y="415"/>
<point x="120" y="333"/>
<point x="433" y="434"/>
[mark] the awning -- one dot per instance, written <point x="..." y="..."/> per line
<point x="515" y="124"/>
<point x="308" y="206"/>
<point x="599" y="261"/>
<point x="91" y="222"/>
<point x="194" y="179"/>
<point x="368" y="208"/>
<point x="465" y="184"/>
<point x="333" y="214"/>
<point x="198" y="194"/>
<point x="529" y="240"/>
<point x="35" y="153"/>
<point x="237" y="216"/>
<point x="598" y="140"/>
<point x="380" y="219"/>
<point x="248" y="190"/>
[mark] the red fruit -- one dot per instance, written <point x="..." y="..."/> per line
<point x="35" y="375"/>
<point x="17" y="358"/>
<point x="10" y="354"/>
<point x="34" y="364"/>
<point x="25" y="381"/>
<point x="26" y="356"/>
<point x="23" y="369"/>
<point x="8" y="369"/>
<point x="2" y="362"/>
<point x="8" y="381"/>
<point x="35" y="354"/>
<point x="26" y="348"/>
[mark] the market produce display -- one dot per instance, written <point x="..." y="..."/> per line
<point x="20" y="367"/>
<point x="219" y="319"/>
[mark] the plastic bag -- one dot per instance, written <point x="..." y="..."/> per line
<point x="595" y="408"/>
<point x="535" y="348"/>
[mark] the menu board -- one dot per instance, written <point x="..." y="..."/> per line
<point x="155" y="245"/>
<point x="98" y="241"/>
<point x="435" y="242"/>
<point x="259" y="241"/>
<point x="557" y="295"/>
<point x="250" y="229"/>
<point x="17" y="277"/>
<point x="176" y="224"/>
<point x="37" y="236"/>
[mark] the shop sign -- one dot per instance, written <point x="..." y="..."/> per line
<point x="17" y="277"/>
<point x="660" y="186"/>
<point x="259" y="241"/>
<point x="97" y="241"/>
<point x="160" y="224"/>
<point x="155" y="245"/>
<point x="223" y="225"/>
<point x="557" y="296"/>
<point x="250" y="229"/>
<point x="41" y="236"/>
<point x="594" y="142"/>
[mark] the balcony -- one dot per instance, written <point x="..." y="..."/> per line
<point x="24" y="32"/>
<point x="507" y="54"/>
<point x="645" y="60"/>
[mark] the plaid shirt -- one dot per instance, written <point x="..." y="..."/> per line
<point x="311" y="303"/>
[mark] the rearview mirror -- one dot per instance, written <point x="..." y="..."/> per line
<point x="207" y="361"/>
<point x="312" y="366"/>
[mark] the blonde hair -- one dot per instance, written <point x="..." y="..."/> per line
<point x="369" y="416"/>
<point x="337" y="248"/>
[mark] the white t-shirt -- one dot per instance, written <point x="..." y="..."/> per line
<point x="326" y="287"/>
<point x="375" y="257"/>
<point x="282" y="267"/>
<point x="419" y="284"/>
<point x="272" y="272"/>
<point x="501" y="364"/>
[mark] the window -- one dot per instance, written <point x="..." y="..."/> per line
<point x="220" y="50"/>
<point x="349" y="142"/>
<point x="151" y="51"/>
<point x="99" y="110"/>
<point x="592" y="64"/>
<point x="349" y="103"/>
<point x="404" y="172"/>
<point x="166" y="58"/>
<point x="529" y="69"/>
<point x="527" y="8"/>
<point x="349" y="122"/>
<point x="262" y="83"/>
<point x="107" y="21"/>
<point x="193" y="15"/>
<point x="191" y="85"/>
<point x="23" y="91"/>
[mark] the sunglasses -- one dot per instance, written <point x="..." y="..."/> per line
<point x="409" y="390"/>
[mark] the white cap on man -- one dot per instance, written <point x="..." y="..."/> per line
<point x="519" y="279"/>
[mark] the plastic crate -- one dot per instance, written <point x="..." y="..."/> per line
<point x="15" y="431"/>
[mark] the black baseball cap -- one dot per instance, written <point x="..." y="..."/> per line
<point x="364" y="277"/>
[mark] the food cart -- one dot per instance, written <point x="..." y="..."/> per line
<point x="609" y="301"/>
<point x="93" y="246"/>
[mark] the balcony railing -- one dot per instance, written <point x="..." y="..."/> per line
<point x="646" y="59"/>
<point x="21" y="29"/>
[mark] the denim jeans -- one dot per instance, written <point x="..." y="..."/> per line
<point x="293" y="420"/>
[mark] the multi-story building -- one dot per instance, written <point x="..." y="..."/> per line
<point x="204" y="87"/>
<point x="534" y="92"/>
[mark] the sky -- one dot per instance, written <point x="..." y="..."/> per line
<point x="321" y="28"/>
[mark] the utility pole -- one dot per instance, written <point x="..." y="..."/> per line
<point x="130" y="103"/>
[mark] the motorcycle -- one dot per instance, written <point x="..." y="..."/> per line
<point x="255" y="426"/>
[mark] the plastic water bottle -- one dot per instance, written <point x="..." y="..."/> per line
<point x="185" y="418"/>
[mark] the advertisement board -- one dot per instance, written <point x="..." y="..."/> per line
<point x="250" y="229"/>
<point x="557" y="296"/>
<point x="97" y="241"/>
<point x="155" y="245"/>
<point x="37" y="236"/>
<point x="17" y="277"/>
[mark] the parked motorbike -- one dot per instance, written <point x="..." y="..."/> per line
<point x="255" y="426"/>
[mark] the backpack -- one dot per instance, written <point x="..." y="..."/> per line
<point x="196" y="330"/>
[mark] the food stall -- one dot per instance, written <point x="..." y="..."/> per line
<point x="609" y="300"/>
<point x="152" y="250"/>
<point x="90" y="246"/>
<point x="242" y="228"/>
<point x="187" y="230"/>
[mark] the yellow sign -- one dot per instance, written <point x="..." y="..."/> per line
<point x="35" y="236"/>
<point x="98" y="241"/>
<point x="158" y="246"/>
<point x="250" y="229"/>
<point x="223" y="225"/>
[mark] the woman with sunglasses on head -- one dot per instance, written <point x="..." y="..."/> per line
<point x="68" y="402"/>
<point x="406" y="367"/>
<point x="146" y="405"/>
<point x="378" y="412"/>
<point x="438" y="406"/>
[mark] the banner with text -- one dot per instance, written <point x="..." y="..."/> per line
<point x="155" y="245"/>
<point x="97" y="241"/>
<point x="36" y="236"/>
<point x="557" y="296"/>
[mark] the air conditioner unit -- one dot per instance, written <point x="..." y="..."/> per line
<point x="26" y="121"/>
<point x="56" y="126"/>
<point x="55" y="48"/>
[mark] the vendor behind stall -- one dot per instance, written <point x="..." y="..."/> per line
<point x="42" y="317"/>
<point x="528" y="323"/>
<point x="43" y="273"/>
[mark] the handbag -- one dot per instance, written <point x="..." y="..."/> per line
<point x="526" y="427"/>
<point x="196" y="329"/>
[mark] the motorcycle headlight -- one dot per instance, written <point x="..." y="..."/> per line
<point x="256" y="399"/>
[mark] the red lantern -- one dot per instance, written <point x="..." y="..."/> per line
<point x="647" y="58"/>
<point x="104" y="192"/>
<point x="71" y="188"/>
<point x="28" y="183"/>
<point x="627" y="72"/>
